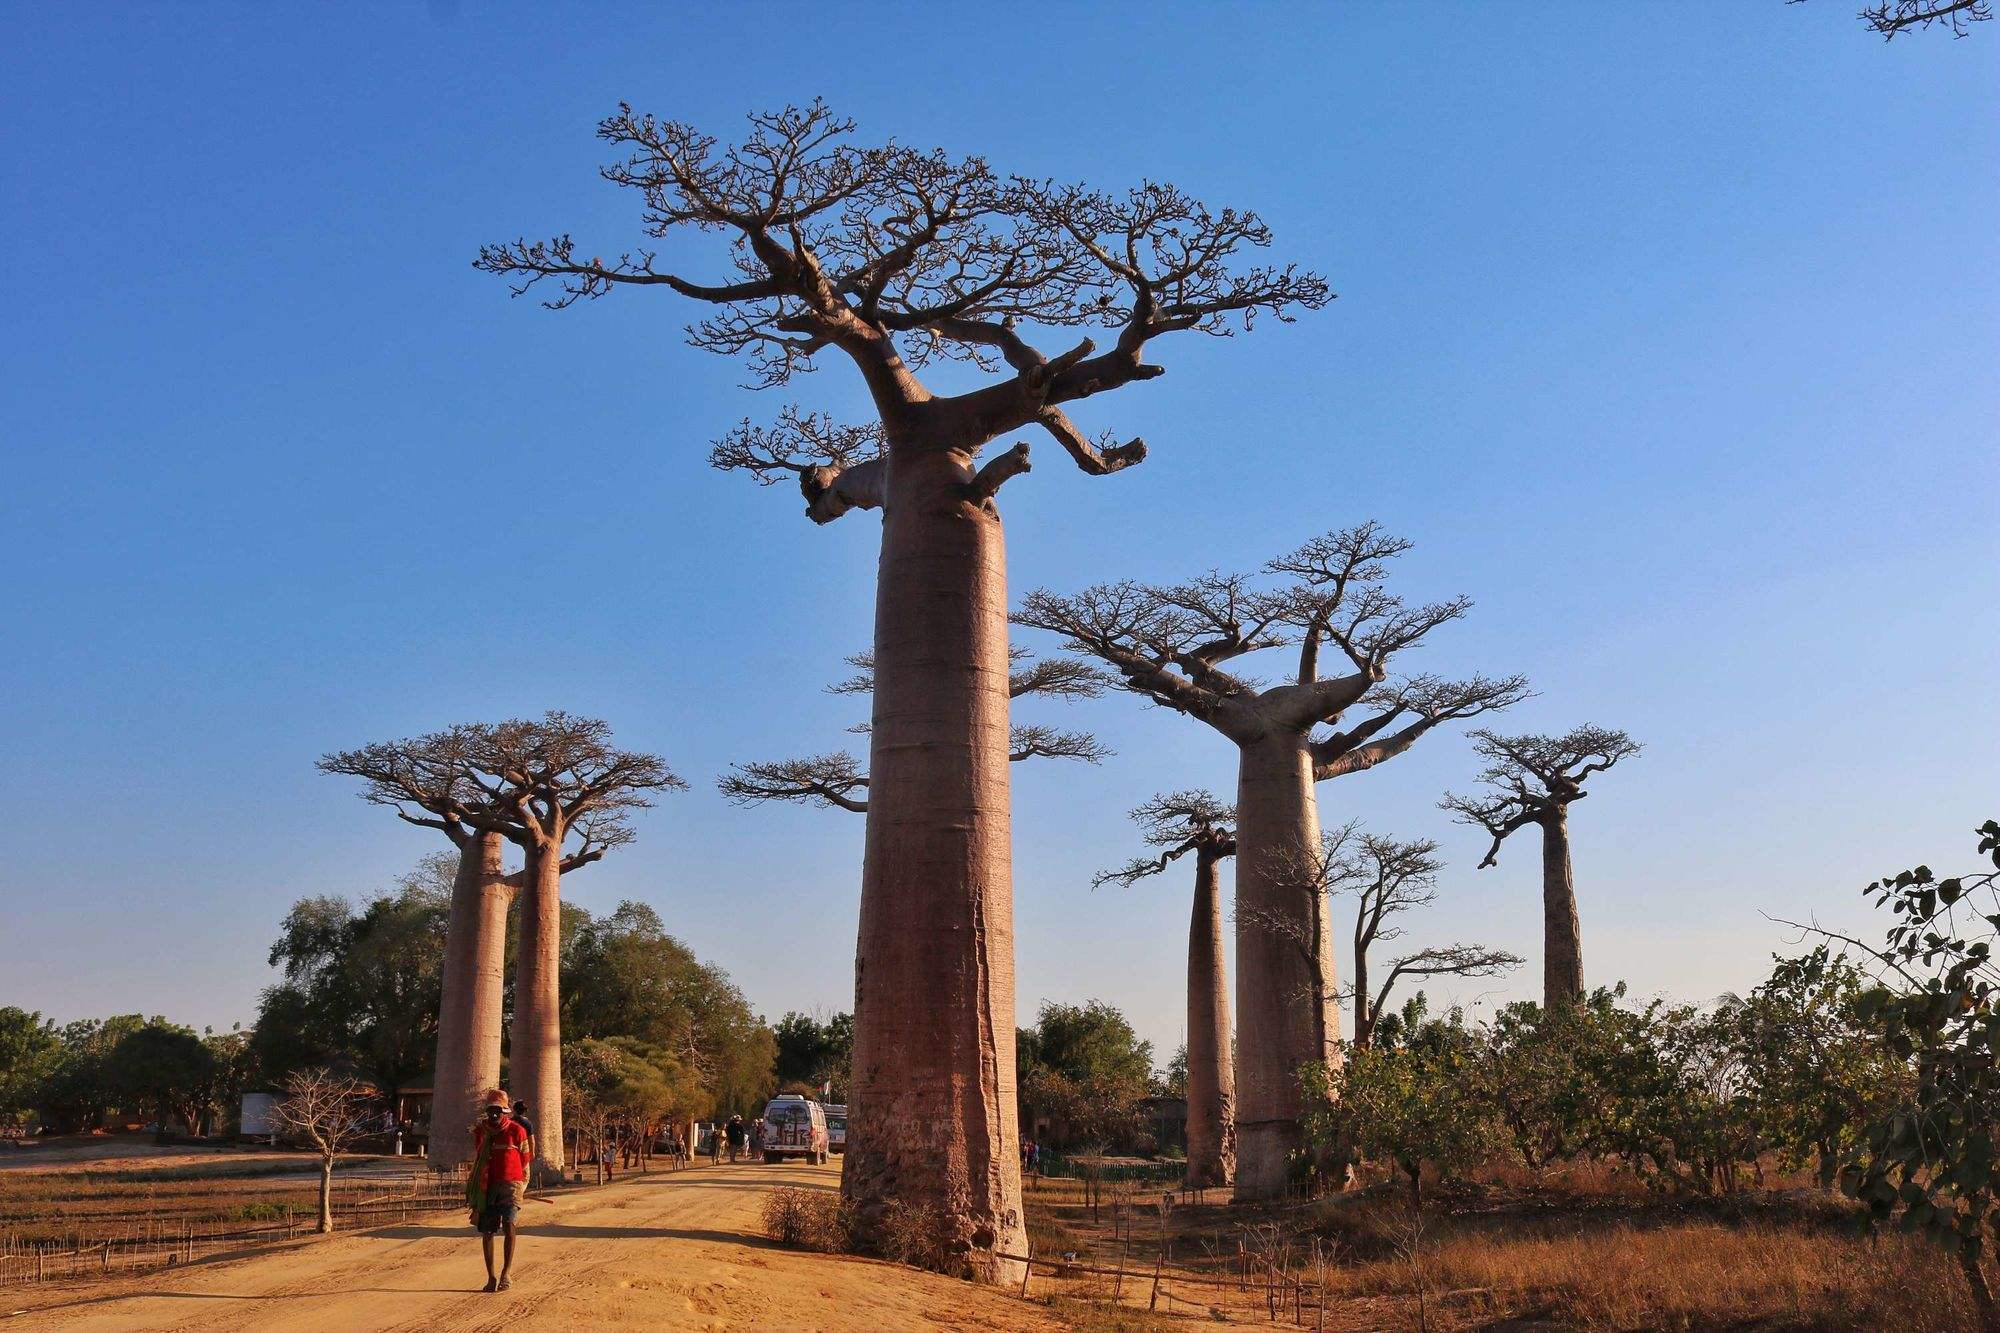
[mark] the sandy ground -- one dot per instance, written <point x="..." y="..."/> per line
<point x="674" y="1250"/>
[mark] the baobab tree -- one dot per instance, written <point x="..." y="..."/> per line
<point x="897" y="259"/>
<point x="481" y="785"/>
<point x="1168" y="644"/>
<point x="427" y="781"/>
<point x="1534" y="780"/>
<point x="1195" y="823"/>
<point x="555" y="778"/>
<point x="837" y="779"/>
<point x="1388" y="878"/>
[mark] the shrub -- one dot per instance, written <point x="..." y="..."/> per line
<point x="806" y="1219"/>
<point x="923" y="1236"/>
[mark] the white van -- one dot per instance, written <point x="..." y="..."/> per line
<point x="795" y="1126"/>
<point x="836" y="1128"/>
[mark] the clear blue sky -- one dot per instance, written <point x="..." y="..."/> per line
<point x="1667" y="332"/>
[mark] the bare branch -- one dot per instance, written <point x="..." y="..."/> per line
<point x="1038" y="742"/>
<point x="1533" y="778"/>
<point x="899" y="257"/>
<point x="827" y="779"/>
<point x="1429" y="701"/>
<point x="1178" y="823"/>
<point x="996" y="473"/>
<point x="1891" y="17"/>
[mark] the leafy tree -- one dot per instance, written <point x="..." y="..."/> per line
<point x="1086" y="1068"/>
<point x="361" y="985"/>
<point x="813" y="1054"/>
<point x="1172" y="1081"/>
<point x="231" y="1068"/>
<point x="1818" y="1074"/>
<point x="167" y="1069"/>
<point x="81" y="1087"/>
<point x="1421" y="1104"/>
<point x="29" y="1049"/>
<point x="1931" y="1162"/>
<point x="625" y="976"/>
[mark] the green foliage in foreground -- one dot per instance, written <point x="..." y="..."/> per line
<point x="1930" y="1162"/>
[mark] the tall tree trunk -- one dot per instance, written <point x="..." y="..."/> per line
<point x="535" y="1052"/>
<point x="1365" y="1017"/>
<point x="931" y="1115"/>
<point x="1211" y="1083"/>
<point x="1284" y="958"/>
<point x="325" y="1195"/>
<point x="475" y="958"/>
<point x="1562" y="937"/>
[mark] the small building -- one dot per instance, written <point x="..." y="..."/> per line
<point x="1166" y="1121"/>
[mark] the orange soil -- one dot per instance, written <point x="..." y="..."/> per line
<point x="675" y="1250"/>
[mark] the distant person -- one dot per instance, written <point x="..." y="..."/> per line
<point x="534" y="1141"/>
<point x="756" y="1138"/>
<point x="736" y="1136"/>
<point x="501" y="1150"/>
<point x="715" y="1145"/>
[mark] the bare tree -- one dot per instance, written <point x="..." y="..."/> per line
<point x="1534" y="780"/>
<point x="429" y="781"/>
<point x="1183" y="823"/>
<point x="328" y="1111"/>
<point x="896" y="259"/>
<point x="1389" y="878"/>
<point x="837" y="779"/>
<point x="1890" y="17"/>
<point x="1168" y="645"/>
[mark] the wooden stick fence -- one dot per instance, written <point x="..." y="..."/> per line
<point x="154" y="1245"/>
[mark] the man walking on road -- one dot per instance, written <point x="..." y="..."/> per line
<point x="501" y="1151"/>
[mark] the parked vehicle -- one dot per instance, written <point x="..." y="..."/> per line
<point x="795" y="1126"/>
<point x="836" y="1128"/>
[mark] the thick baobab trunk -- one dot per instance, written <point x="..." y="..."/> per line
<point x="534" y="1055"/>
<point x="475" y="959"/>
<point x="1211" y="1084"/>
<point x="1562" y="937"/>
<point x="931" y="1115"/>
<point x="1284" y="958"/>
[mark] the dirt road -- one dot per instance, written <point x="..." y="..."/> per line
<point x="673" y="1251"/>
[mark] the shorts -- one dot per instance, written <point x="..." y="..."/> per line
<point x="503" y="1201"/>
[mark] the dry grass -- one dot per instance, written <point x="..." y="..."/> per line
<point x="1595" y="1269"/>
<point x="1585" y="1248"/>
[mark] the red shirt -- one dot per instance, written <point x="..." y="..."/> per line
<point x="503" y="1147"/>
